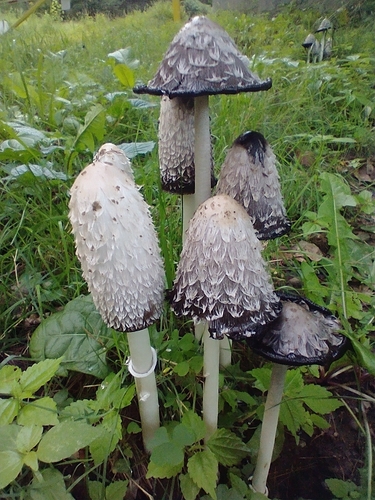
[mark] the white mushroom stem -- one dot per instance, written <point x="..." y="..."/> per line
<point x="202" y="151"/>
<point x="141" y="366"/>
<point x="322" y="46"/>
<point x="225" y="352"/>
<point x="211" y="382"/>
<point x="188" y="209"/>
<point x="269" y="426"/>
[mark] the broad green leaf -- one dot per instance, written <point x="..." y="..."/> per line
<point x="96" y="490"/>
<point x="319" y="399"/>
<point x="203" y="470"/>
<point x="9" y="377"/>
<point x="161" y="436"/>
<point x="37" y="375"/>
<point x="341" y="489"/>
<point x="188" y="488"/>
<point x="167" y="454"/>
<point x="36" y="171"/>
<point x="364" y="355"/>
<point x="11" y="465"/>
<point x="31" y="460"/>
<point x="163" y="471"/>
<point x="65" y="439"/>
<point x="182" y="368"/>
<point x="8" y="437"/>
<point x="123" y="56"/>
<point x="194" y="422"/>
<point x="51" y="488"/>
<point x="183" y="436"/>
<point x="40" y="412"/>
<point x="8" y="410"/>
<point x="92" y="130"/>
<point x="319" y="421"/>
<point x="102" y="446"/>
<point x="28" y="437"/>
<point x="292" y="414"/>
<point x="116" y="490"/>
<point x="262" y="378"/>
<point x="337" y="191"/>
<point x="125" y="75"/>
<point x="132" y="149"/>
<point x="79" y="334"/>
<point x="142" y="104"/>
<point x="111" y="393"/>
<point x="227" y="447"/>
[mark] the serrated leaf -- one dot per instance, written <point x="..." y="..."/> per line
<point x="8" y="410"/>
<point x="339" y="488"/>
<point x="116" y="490"/>
<point x="11" y="465"/>
<point x="28" y="437"/>
<point x="65" y="439"/>
<point x="163" y="471"/>
<point x="37" y="375"/>
<point x="167" y="454"/>
<point x="9" y="377"/>
<point x="160" y="436"/>
<point x="227" y="447"/>
<point x="292" y="414"/>
<point x="52" y="487"/>
<point x="319" y="399"/>
<point x="79" y="334"/>
<point x="40" y="412"/>
<point x="183" y="436"/>
<point x="193" y="422"/>
<point x="203" y="470"/>
<point x="188" y="488"/>
<point x="262" y="378"/>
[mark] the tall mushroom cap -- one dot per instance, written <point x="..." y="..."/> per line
<point x="116" y="244"/>
<point x="202" y="59"/>
<point x="113" y="155"/>
<point x="221" y="276"/>
<point x="304" y="334"/>
<point x="310" y="41"/>
<point x="249" y="175"/>
<point x="176" y="145"/>
<point x="325" y="25"/>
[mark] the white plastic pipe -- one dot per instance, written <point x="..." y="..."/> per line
<point x="269" y="427"/>
<point x="142" y="365"/>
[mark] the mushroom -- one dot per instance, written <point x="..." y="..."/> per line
<point x="249" y="175"/>
<point x="202" y="60"/>
<point x="323" y="28"/>
<point x="313" y="47"/>
<point x="117" y="246"/>
<point x="221" y="280"/>
<point x="304" y="334"/>
<point x="176" y="151"/>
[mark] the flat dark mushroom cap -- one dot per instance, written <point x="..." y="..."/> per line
<point x="202" y="59"/>
<point x="304" y="334"/>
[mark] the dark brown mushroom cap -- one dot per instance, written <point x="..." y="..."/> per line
<point x="176" y="145"/>
<point x="202" y="59"/>
<point x="303" y="334"/>
<point x="249" y="175"/>
<point x="221" y="276"/>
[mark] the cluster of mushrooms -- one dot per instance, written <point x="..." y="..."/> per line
<point x="221" y="280"/>
<point x="319" y="50"/>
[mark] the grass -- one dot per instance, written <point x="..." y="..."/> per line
<point x="54" y="78"/>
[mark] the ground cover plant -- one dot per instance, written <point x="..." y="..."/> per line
<point x="68" y="407"/>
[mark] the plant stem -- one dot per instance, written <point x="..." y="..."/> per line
<point x="269" y="426"/>
<point x="142" y="362"/>
<point x="211" y="382"/>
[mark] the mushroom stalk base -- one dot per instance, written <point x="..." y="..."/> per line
<point x="142" y="361"/>
<point x="269" y="426"/>
<point x="211" y="383"/>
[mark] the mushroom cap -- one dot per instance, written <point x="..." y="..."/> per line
<point x="325" y="25"/>
<point x="249" y="175"/>
<point x="303" y="334"/>
<point x="113" y="155"/>
<point x="202" y="59"/>
<point x="221" y="276"/>
<point x="176" y="145"/>
<point x="309" y="41"/>
<point x="116" y="244"/>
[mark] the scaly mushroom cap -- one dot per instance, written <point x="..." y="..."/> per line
<point x="309" y="41"/>
<point x="202" y="59"/>
<point x="304" y="334"/>
<point x="176" y="145"/>
<point x="113" y="155"/>
<point x="221" y="276"/>
<point x="325" y="25"/>
<point x="116" y="243"/>
<point x="249" y="175"/>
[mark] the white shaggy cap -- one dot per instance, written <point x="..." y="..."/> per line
<point x="221" y="277"/>
<point x="110" y="154"/>
<point x="176" y="145"/>
<point x="249" y="175"/>
<point x="116" y="243"/>
<point x="304" y="334"/>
